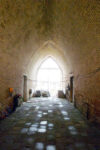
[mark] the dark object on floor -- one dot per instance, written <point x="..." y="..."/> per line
<point x="61" y="94"/>
<point x="38" y="94"/>
<point x="45" y="94"/>
<point x="30" y="93"/>
<point x="14" y="103"/>
<point x="17" y="101"/>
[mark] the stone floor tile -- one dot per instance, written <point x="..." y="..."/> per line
<point x="48" y="124"/>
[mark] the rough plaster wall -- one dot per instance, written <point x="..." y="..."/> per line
<point x="74" y="25"/>
<point x="18" y="38"/>
<point x="78" y="30"/>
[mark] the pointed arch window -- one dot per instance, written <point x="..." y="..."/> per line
<point x="49" y="76"/>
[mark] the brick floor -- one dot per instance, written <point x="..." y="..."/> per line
<point x="48" y="124"/>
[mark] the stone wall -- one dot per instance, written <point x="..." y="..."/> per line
<point x="72" y="25"/>
<point x="87" y="95"/>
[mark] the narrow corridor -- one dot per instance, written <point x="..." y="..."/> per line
<point x="48" y="124"/>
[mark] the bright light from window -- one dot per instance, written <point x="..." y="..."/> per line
<point x="49" y="63"/>
<point x="49" y="77"/>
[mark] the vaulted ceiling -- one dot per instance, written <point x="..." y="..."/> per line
<point x="73" y="25"/>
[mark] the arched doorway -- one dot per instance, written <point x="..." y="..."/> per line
<point x="49" y="77"/>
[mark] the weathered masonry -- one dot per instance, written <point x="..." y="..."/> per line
<point x="68" y="31"/>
